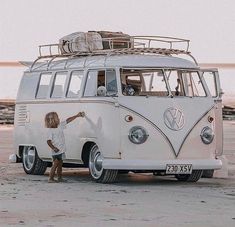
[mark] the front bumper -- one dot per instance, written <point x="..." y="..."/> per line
<point x="197" y="164"/>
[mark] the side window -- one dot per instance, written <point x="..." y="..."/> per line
<point x="211" y="82"/>
<point x="101" y="78"/>
<point x="111" y="82"/>
<point x="43" y="87"/>
<point x="59" y="85"/>
<point x="91" y="84"/>
<point x="96" y="79"/>
<point x="75" y="84"/>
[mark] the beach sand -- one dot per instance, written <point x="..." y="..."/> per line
<point x="135" y="200"/>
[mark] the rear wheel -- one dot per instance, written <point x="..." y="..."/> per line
<point x="32" y="164"/>
<point x="193" y="177"/>
<point x="98" y="173"/>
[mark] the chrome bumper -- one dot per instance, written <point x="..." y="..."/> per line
<point x="198" y="164"/>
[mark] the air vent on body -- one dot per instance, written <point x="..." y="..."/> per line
<point x="22" y="115"/>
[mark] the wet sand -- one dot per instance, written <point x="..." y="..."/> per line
<point x="136" y="199"/>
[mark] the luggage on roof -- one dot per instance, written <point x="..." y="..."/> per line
<point x="80" y="42"/>
<point x="94" y="40"/>
<point x="116" y="40"/>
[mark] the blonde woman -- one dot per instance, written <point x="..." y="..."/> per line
<point x="56" y="141"/>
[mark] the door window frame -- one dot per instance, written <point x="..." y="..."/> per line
<point x="216" y="81"/>
<point x="97" y="70"/>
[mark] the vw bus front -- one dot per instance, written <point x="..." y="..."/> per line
<point x="171" y="122"/>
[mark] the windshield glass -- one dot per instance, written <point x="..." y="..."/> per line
<point x="139" y="82"/>
<point x="185" y="83"/>
<point x="158" y="82"/>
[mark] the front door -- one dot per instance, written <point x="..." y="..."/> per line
<point x="100" y="104"/>
<point x="211" y="78"/>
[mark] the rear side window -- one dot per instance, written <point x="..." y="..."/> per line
<point x="75" y="84"/>
<point x="43" y="87"/>
<point x="59" y="85"/>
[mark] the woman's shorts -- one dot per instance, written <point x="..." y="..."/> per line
<point x="58" y="157"/>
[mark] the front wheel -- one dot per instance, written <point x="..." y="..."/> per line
<point x="193" y="177"/>
<point x="32" y="164"/>
<point x="98" y="173"/>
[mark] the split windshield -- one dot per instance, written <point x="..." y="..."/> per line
<point x="156" y="82"/>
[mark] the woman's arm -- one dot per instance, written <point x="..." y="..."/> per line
<point x="52" y="146"/>
<point x="80" y="114"/>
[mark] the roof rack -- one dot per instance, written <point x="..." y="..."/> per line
<point x="160" y="45"/>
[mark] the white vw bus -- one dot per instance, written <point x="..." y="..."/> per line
<point x="146" y="110"/>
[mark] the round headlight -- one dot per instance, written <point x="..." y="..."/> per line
<point x="138" y="135"/>
<point x="207" y="135"/>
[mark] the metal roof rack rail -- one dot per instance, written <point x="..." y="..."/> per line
<point x="160" y="45"/>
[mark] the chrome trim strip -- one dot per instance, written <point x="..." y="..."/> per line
<point x="63" y="101"/>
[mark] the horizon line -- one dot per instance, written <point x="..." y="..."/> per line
<point x="215" y="64"/>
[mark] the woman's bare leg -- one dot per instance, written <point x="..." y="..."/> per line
<point x="59" y="170"/>
<point x="53" y="170"/>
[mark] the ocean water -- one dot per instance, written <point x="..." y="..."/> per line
<point x="10" y="80"/>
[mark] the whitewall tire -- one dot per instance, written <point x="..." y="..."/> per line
<point x="97" y="172"/>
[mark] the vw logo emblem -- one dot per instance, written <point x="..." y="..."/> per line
<point x="174" y="119"/>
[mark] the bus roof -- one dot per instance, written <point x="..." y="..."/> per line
<point x="129" y="61"/>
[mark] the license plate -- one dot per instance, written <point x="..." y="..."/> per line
<point x="179" y="169"/>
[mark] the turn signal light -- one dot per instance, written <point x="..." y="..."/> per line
<point x="128" y="118"/>
<point x="210" y="119"/>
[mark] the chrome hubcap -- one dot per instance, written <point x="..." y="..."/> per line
<point x="95" y="162"/>
<point x="29" y="155"/>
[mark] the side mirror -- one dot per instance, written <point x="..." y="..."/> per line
<point x="101" y="91"/>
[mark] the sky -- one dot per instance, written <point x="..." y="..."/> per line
<point x="26" y="24"/>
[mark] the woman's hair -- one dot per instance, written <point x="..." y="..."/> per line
<point x="52" y="120"/>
